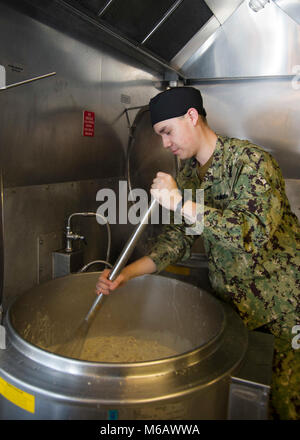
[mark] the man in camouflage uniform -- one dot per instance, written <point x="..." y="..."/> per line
<point x="250" y="234"/>
<point x="249" y="238"/>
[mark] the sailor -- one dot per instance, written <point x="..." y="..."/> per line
<point x="251" y="236"/>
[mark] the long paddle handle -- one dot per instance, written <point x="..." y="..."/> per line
<point x="125" y="254"/>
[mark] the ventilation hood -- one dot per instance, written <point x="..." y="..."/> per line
<point x="185" y="39"/>
<point x="154" y="32"/>
<point x="161" y="28"/>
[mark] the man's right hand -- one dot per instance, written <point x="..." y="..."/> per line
<point x="139" y="267"/>
<point x="105" y="286"/>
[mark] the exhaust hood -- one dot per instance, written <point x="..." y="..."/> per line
<point x="203" y="38"/>
<point x="188" y="39"/>
<point x="165" y="30"/>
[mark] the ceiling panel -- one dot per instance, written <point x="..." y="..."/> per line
<point x="93" y="6"/>
<point x="179" y="28"/>
<point x="135" y="18"/>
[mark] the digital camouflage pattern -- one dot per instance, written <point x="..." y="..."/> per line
<point x="252" y="240"/>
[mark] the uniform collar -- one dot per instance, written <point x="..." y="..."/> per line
<point x="215" y="171"/>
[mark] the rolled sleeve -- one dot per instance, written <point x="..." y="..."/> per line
<point x="171" y="246"/>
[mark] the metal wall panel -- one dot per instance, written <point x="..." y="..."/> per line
<point x="33" y="213"/>
<point x="266" y="112"/>
<point x="41" y="127"/>
<point x="290" y="7"/>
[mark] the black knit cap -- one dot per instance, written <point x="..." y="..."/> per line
<point x="175" y="102"/>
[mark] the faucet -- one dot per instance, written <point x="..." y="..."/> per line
<point x="71" y="236"/>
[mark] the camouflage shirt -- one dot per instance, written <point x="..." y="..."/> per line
<point x="251" y="237"/>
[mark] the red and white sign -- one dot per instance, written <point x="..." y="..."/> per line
<point x="88" y="127"/>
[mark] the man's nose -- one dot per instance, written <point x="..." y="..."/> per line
<point x="166" y="142"/>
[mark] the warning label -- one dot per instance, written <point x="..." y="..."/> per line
<point x="17" y="396"/>
<point x="88" y="126"/>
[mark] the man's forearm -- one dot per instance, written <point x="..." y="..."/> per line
<point x="140" y="267"/>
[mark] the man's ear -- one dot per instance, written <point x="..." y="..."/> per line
<point x="193" y="115"/>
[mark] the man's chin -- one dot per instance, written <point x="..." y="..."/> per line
<point x="181" y="155"/>
<point x="178" y="153"/>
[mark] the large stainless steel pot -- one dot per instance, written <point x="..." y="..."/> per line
<point x="35" y="383"/>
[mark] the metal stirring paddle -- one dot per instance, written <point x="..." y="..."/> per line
<point x="73" y="348"/>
